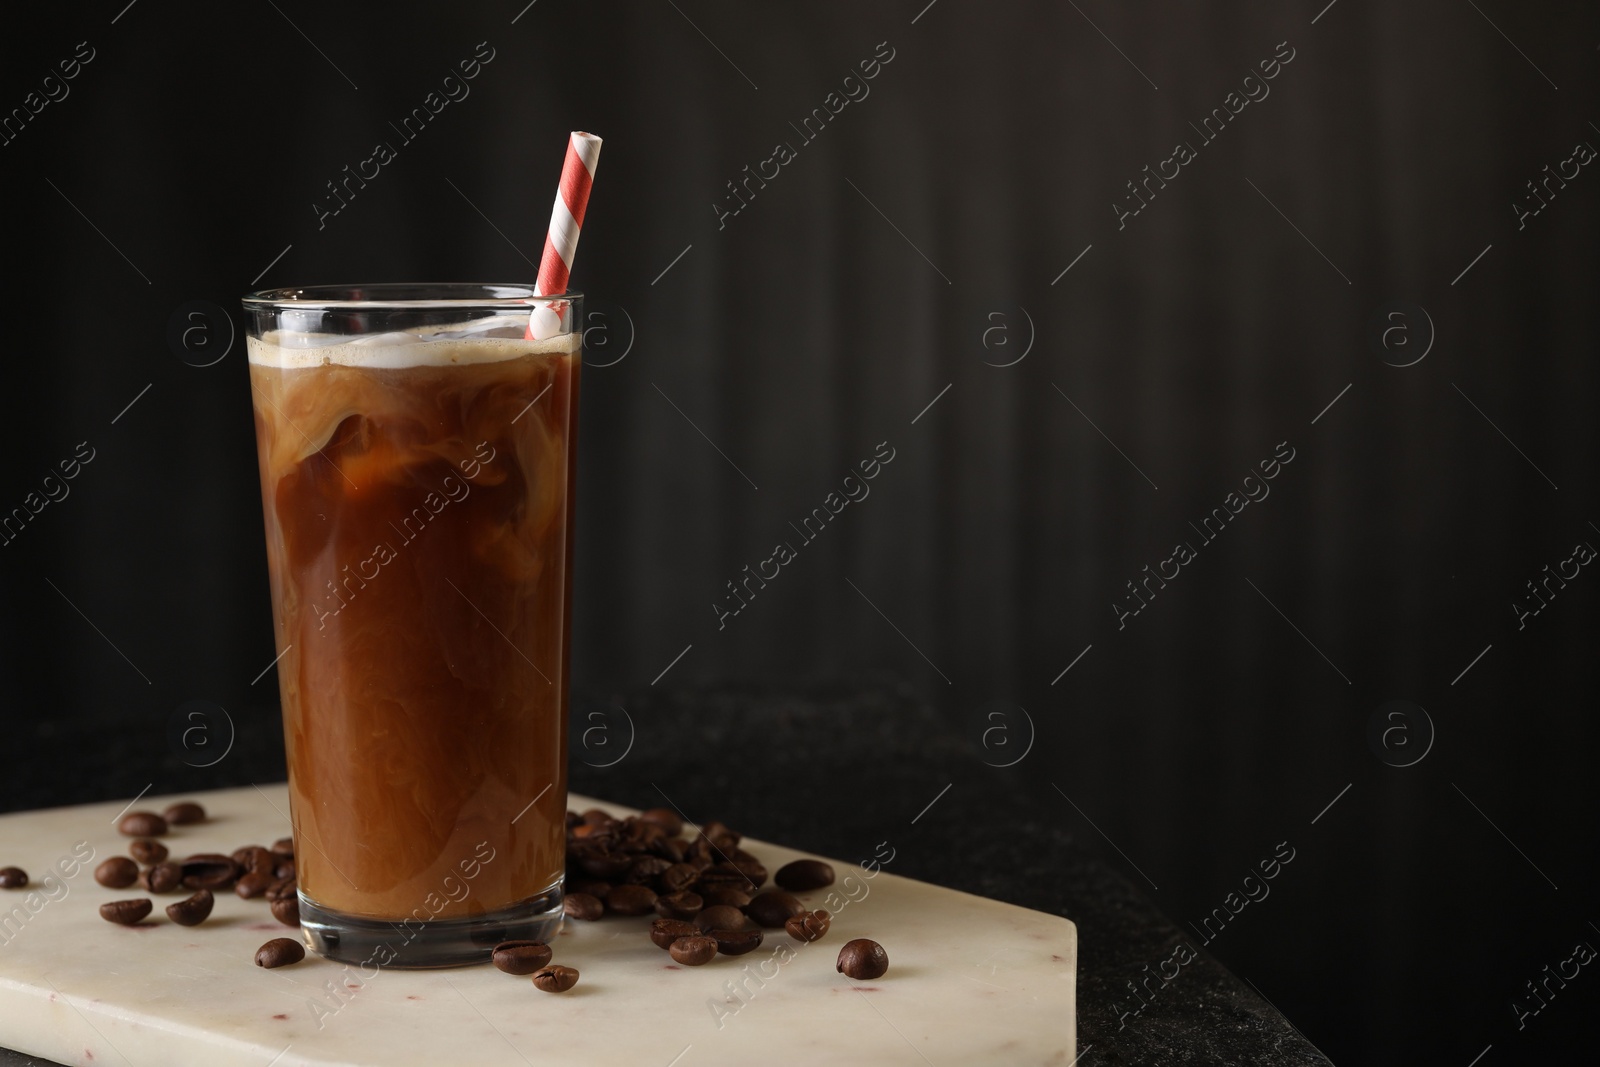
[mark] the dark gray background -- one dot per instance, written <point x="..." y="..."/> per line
<point x="824" y="319"/>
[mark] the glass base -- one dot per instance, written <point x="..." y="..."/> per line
<point x="412" y="943"/>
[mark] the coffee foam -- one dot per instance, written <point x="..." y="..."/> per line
<point x="289" y="350"/>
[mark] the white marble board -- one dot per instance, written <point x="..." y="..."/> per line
<point x="970" y="980"/>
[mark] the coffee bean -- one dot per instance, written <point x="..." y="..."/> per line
<point x="598" y="890"/>
<point x="693" y="951"/>
<point x="125" y="912"/>
<point x="280" y="951"/>
<point x="142" y="824"/>
<point x="283" y="869"/>
<point x="162" y="878"/>
<point x="283" y="846"/>
<point x="677" y="877"/>
<point x="863" y="960"/>
<point x="773" y="908"/>
<point x="728" y="895"/>
<point x="631" y="900"/>
<point x="192" y="911"/>
<point x="521" y="957"/>
<point x="665" y="931"/>
<point x="555" y="979"/>
<point x="13" y="877"/>
<point x="721" y="917"/>
<point x="118" y="872"/>
<point x="254" y="884"/>
<point x="721" y="838"/>
<point x="147" y="851"/>
<point x="253" y="858"/>
<point x="646" y="869"/>
<point x="282" y="889"/>
<point x="665" y="818"/>
<point x="724" y="874"/>
<point x="801" y="876"/>
<point x="672" y="849"/>
<point x="736" y="942"/>
<point x="582" y="906"/>
<point x="287" y="909"/>
<point x="684" y="905"/>
<point x="606" y="865"/>
<point x="209" y="870"/>
<point x="597" y="817"/>
<point x="184" y="813"/>
<point x="809" y="927"/>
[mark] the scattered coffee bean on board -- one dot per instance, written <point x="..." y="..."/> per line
<point x="801" y="876"/>
<point x="255" y="884"/>
<point x="125" y="912"/>
<point x="631" y="900"/>
<point x="684" y="905"/>
<point x="665" y="818"/>
<point x="736" y="942"/>
<point x="142" y="824"/>
<point x="280" y="951"/>
<point x="810" y="927"/>
<point x="665" y="931"/>
<point x="287" y="909"/>
<point x="192" y="911"/>
<point x="521" y="957"/>
<point x="773" y="908"/>
<point x="582" y="906"/>
<point x="694" y="950"/>
<point x="13" y="877"/>
<point x="147" y="851"/>
<point x="118" y="872"/>
<point x="863" y="960"/>
<point x="721" y="917"/>
<point x="555" y="979"/>
<point x="184" y="813"/>
<point x="283" y="846"/>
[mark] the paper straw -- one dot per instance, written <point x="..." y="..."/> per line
<point x="566" y="223"/>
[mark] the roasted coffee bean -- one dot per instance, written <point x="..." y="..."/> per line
<point x="631" y="900"/>
<point x="147" y="851"/>
<point x="730" y="896"/>
<point x="283" y="846"/>
<point x="280" y="951"/>
<point x="118" y="872"/>
<point x="773" y="908"/>
<point x="724" y="874"/>
<point x="287" y="909"/>
<point x="555" y="979"/>
<point x="684" y="905"/>
<point x="582" y="906"/>
<point x="192" y="911"/>
<point x="721" y="917"/>
<point x="282" y="889"/>
<point x="13" y="877"/>
<point x="802" y="876"/>
<point x="184" y="813"/>
<point x="253" y="858"/>
<point x="721" y="838"/>
<point x="283" y="869"/>
<point x="209" y="870"/>
<point x="254" y="884"/>
<point x="810" y="927"/>
<point x="598" y="890"/>
<point x="164" y="877"/>
<point x="573" y="819"/>
<point x="676" y="877"/>
<point x="596" y="817"/>
<point x="693" y="951"/>
<point x="665" y="818"/>
<point x="606" y="865"/>
<point x="863" y="960"/>
<point x="142" y="824"/>
<point x="521" y="957"/>
<point x="665" y="931"/>
<point x="672" y="849"/>
<point x="736" y="942"/>
<point x="125" y="912"/>
<point x="594" y="831"/>
<point x="640" y="835"/>
<point x="755" y="874"/>
<point x="646" y="869"/>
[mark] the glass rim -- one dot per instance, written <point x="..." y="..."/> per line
<point x="452" y="296"/>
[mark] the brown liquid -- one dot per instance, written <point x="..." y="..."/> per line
<point x="418" y="539"/>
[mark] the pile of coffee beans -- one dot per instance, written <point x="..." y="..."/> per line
<point x="252" y="871"/>
<point x="705" y="890"/>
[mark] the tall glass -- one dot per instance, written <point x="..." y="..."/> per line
<point x="417" y="456"/>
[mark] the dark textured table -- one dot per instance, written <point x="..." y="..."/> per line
<point x="834" y="769"/>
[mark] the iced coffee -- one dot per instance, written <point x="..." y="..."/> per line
<point x="416" y="459"/>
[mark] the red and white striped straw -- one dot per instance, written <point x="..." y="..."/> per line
<point x="566" y="218"/>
